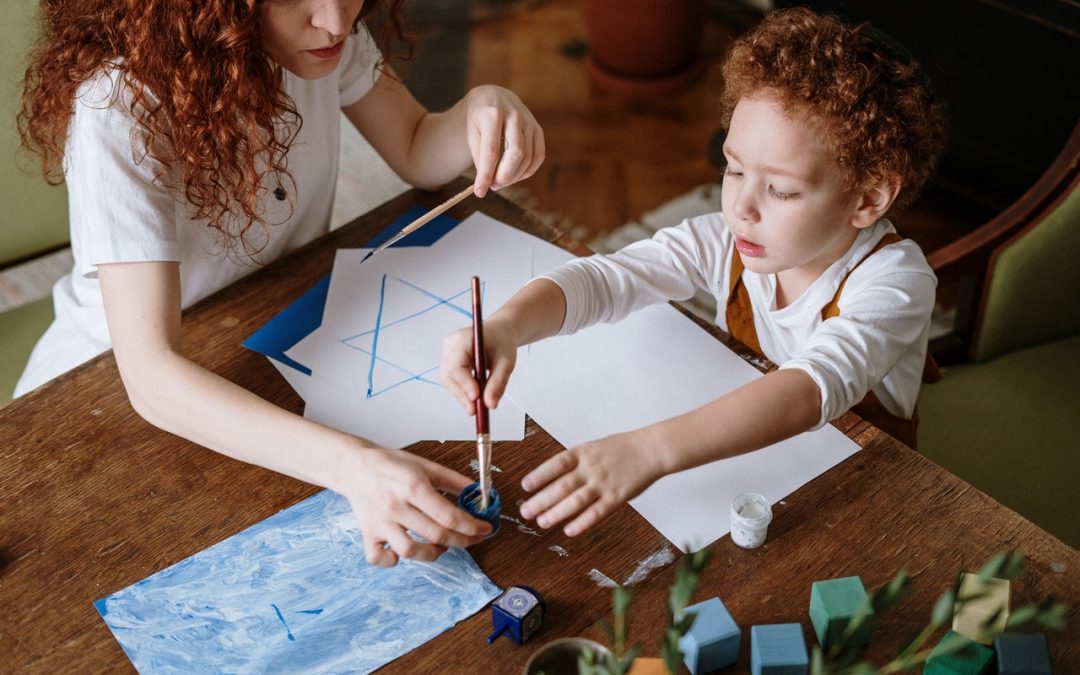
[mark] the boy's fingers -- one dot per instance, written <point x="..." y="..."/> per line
<point x="587" y="519"/>
<point x="498" y="378"/>
<point x="575" y="497"/>
<point x="548" y="471"/>
<point x="554" y="492"/>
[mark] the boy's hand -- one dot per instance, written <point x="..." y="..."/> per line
<point x="590" y="480"/>
<point x="456" y="371"/>
<point x="392" y="491"/>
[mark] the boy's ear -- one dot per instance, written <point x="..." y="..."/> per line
<point x="873" y="202"/>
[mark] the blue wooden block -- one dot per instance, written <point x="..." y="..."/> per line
<point x="1022" y="654"/>
<point x="833" y="603"/>
<point x="971" y="659"/>
<point x="778" y="649"/>
<point x="713" y="641"/>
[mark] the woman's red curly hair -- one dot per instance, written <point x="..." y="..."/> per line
<point x="207" y="100"/>
<point x="872" y="102"/>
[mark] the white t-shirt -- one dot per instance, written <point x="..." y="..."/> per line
<point x="119" y="214"/>
<point x="877" y="343"/>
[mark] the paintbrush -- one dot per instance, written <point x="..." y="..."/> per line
<point x="421" y="221"/>
<point x="483" y="434"/>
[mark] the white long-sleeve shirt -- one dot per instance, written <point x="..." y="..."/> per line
<point x="878" y="342"/>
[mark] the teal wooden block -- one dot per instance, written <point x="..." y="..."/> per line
<point x="972" y="659"/>
<point x="832" y="604"/>
<point x="778" y="649"/>
<point x="713" y="640"/>
<point x="1022" y="654"/>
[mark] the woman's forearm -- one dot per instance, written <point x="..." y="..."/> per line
<point x="183" y="398"/>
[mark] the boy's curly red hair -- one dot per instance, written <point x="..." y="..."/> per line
<point x="207" y="100"/>
<point x="872" y="101"/>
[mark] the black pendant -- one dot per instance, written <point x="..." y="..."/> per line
<point x="279" y="192"/>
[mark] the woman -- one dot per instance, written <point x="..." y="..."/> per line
<point x="200" y="141"/>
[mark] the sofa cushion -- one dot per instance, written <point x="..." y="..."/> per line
<point x="1010" y="426"/>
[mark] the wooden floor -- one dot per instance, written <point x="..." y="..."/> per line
<point x="610" y="160"/>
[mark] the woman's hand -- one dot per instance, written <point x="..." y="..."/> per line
<point x="506" y="143"/>
<point x="590" y="480"/>
<point x="392" y="492"/>
<point x="500" y="355"/>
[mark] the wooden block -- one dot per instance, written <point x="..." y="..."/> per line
<point x="833" y="603"/>
<point x="778" y="649"/>
<point x="1022" y="654"/>
<point x="972" y="659"/>
<point x="647" y="665"/>
<point x="713" y="641"/>
<point x="973" y="614"/>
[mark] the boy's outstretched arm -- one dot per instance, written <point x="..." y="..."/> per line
<point x="584" y="483"/>
<point x="533" y="313"/>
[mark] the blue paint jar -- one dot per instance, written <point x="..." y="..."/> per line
<point x="469" y="500"/>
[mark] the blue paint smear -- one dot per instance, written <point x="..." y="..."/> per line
<point x="222" y="610"/>
<point x="304" y="315"/>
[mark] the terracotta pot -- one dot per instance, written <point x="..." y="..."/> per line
<point x="643" y="47"/>
<point x="559" y="657"/>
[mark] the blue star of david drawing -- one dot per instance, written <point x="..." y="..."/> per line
<point x="373" y="350"/>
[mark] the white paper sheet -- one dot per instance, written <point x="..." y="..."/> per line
<point x="375" y="358"/>
<point x="297" y="380"/>
<point x="651" y="366"/>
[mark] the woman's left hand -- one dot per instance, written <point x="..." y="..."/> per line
<point x="588" y="481"/>
<point x="506" y="143"/>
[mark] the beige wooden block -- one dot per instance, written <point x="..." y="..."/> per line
<point x="975" y="613"/>
<point x="647" y="665"/>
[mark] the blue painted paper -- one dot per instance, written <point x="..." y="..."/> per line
<point x="304" y="315"/>
<point x="292" y="594"/>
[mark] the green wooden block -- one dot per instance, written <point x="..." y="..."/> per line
<point x="832" y="605"/>
<point x="971" y="659"/>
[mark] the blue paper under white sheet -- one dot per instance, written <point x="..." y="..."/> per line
<point x="292" y="594"/>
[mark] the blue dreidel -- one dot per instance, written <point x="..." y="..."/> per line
<point x="469" y="500"/>
<point x="518" y="612"/>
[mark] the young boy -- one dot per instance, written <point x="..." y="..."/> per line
<point x="829" y="128"/>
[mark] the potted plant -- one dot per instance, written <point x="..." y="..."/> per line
<point x="642" y="48"/>
<point x="844" y="658"/>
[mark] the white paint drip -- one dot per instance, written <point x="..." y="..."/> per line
<point x="474" y="464"/>
<point x="662" y="557"/>
<point x="600" y="579"/>
<point x="520" y="525"/>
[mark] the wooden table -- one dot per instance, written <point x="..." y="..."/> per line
<point x="93" y="499"/>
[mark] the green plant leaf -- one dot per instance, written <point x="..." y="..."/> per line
<point x="943" y="608"/>
<point x="993" y="566"/>
<point x="1021" y="617"/>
